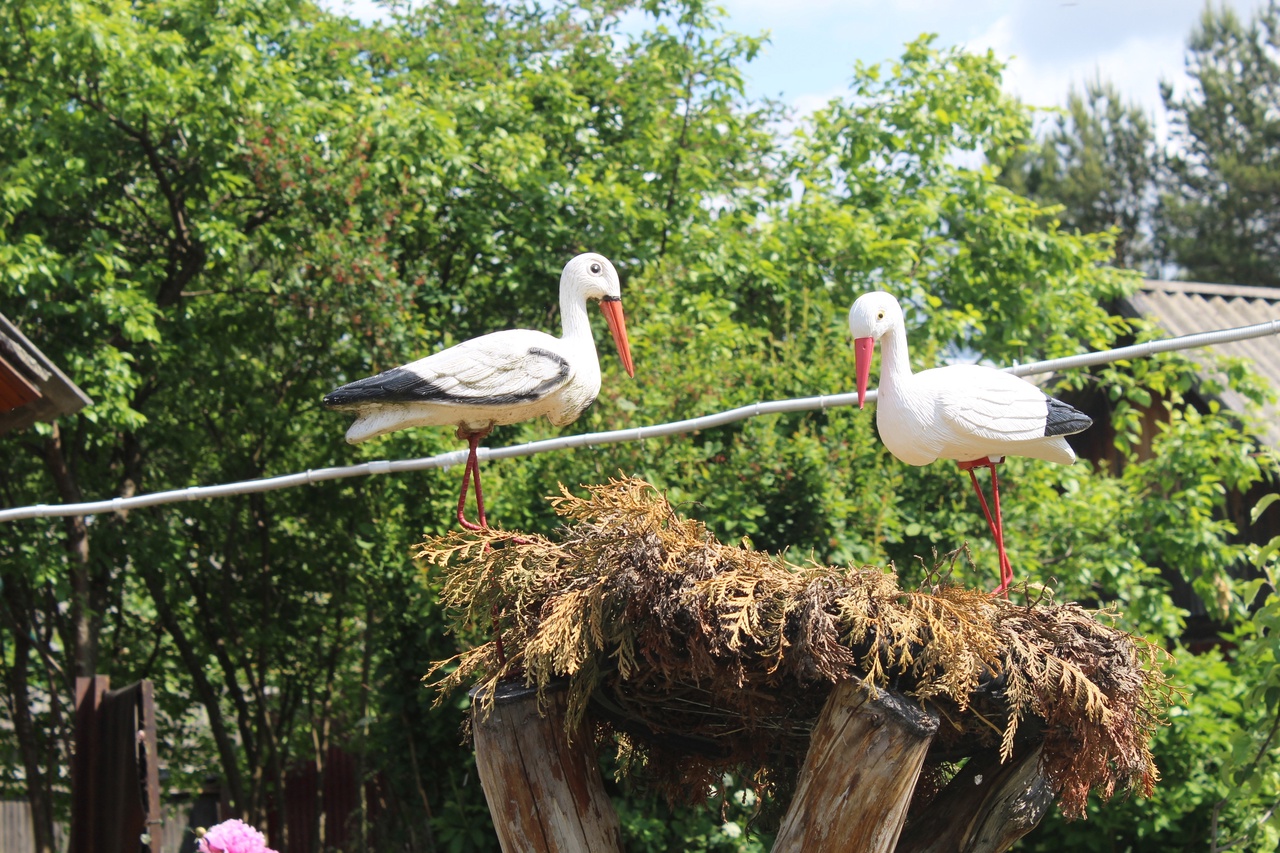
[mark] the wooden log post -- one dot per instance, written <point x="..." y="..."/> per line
<point x="859" y="774"/>
<point x="544" y="790"/>
<point x="984" y="809"/>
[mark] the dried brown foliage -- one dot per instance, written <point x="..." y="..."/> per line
<point x="698" y="658"/>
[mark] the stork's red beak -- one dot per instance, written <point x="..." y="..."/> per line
<point x="862" y="349"/>
<point x="612" y="309"/>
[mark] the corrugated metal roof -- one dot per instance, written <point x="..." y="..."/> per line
<point x="1185" y="307"/>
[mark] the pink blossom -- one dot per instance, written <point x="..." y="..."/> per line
<point x="233" y="836"/>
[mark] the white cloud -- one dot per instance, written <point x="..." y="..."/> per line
<point x="1135" y="65"/>
<point x="365" y="11"/>
<point x="740" y="9"/>
<point x="1134" y="46"/>
<point x="1050" y="45"/>
<point x="805" y="104"/>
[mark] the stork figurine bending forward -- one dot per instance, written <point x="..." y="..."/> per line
<point x="500" y="378"/>
<point x="973" y="414"/>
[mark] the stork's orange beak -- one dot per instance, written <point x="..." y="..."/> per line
<point x="612" y="309"/>
<point x="862" y="349"/>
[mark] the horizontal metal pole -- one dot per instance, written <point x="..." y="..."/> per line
<point x="1200" y="339"/>
<point x="459" y="457"/>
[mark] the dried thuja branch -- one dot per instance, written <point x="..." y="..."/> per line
<point x="491" y="581"/>
<point x="951" y="624"/>
<point x="710" y="658"/>
<point x="1100" y="691"/>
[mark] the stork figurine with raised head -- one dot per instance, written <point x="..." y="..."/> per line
<point x="499" y="378"/>
<point x="973" y="414"/>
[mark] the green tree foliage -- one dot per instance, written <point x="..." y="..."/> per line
<point x="197" y="184"/>
<point x="1218" y="755"/>
<point x="1218" y="217"/>
<point x="212" y="214"/>
<point x="1098" y="160"/>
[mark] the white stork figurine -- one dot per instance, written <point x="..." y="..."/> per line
<point x="973" y="414"/>
<point x="499" y="378"/>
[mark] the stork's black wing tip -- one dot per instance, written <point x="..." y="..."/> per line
<point x="397" y="385"/>
<point x="1062" y="419"/>
<point x="353" y="393"/>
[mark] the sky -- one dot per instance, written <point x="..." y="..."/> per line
<point x="1050" y="45"/>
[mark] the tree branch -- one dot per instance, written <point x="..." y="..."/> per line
<point x="1266" y="815"/>
<point x="203" y="688"/>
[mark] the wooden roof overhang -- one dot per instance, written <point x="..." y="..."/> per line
<point x="32" y="388"/>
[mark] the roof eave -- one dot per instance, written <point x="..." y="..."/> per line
<point x="58" y="394"/>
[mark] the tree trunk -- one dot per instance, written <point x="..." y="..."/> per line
<point x="18" y="685"/>
<point x="205" y="693"/>
<point x="984" y="809"/>
<point x="545" y="792"/>
<point x="859" y="774"/>
<point x="84" y="615"/>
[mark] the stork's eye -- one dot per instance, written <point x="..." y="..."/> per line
<point x="595" y="269"/>
<point x="880" y="316"/>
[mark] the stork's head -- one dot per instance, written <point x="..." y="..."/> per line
<point x="872" y="316"/>
<point x="595" y="278"/>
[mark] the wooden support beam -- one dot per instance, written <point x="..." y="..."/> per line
<point x="84" y="762"/>
<point x="115" y="783"/>
<point x="149" y="760"/>
<point x="859" y="774"/>
<point x="984" y="809"/>
<point x="545" y="791"/>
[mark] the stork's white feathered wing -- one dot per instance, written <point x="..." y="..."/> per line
<point x="500" y="369"/>
<point x="980" y="412"/>
<point x="500" y="378"/>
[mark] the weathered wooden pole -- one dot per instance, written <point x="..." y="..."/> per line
<point x="984" y="809"/>
<point x="859" y="774"/>
<point x="544" y="790"/>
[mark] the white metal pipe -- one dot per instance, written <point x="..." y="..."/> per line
<point x="1200" y="339"/>
<point x="459" y="457"/>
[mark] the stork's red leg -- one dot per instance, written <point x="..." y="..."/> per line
<point x="472" y="473"/>
<point x="995" y="523"/>
<point x="1006" y="570"/>
<point x="982" y="499"/>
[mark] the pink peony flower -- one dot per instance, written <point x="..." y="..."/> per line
<point x="233" y="836"/>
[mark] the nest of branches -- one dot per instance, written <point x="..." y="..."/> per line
<point x="694" y="659"/>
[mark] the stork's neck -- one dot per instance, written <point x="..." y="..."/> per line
<point x="895" y="361"/>
<point x="573" y="313"/>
